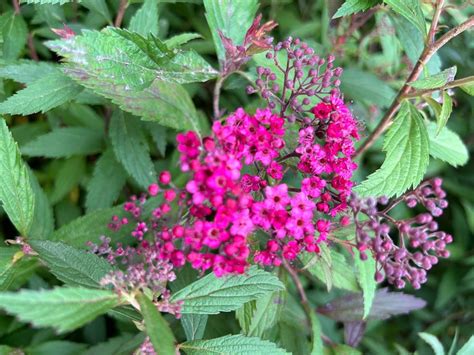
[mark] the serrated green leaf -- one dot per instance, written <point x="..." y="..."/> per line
<point x="447" y="146"/>
<point x="43" y="220"/>
<point x="14" y="33"/>
<point x="28" y="71"/>
<point x="67" y="177"/>
<point x="194" y="325"/>
<point x="407" y="148"/>
<point x="15" y="267"/>
<point x="244" y="315"/>
<point x="16" y="194"/>
<point x="106" y="183"/>
<point x="131" y="148"/>
<point x="468" y="348"/>
<point x="212" y="295"/>
<point x="366" y="276"/>
<point x="157" y="327"/>
<point x="145" y="19"/>
<point x="181" y="39"/>
<point x="232" y="18"/>
<point x="433" y="341"/>
<point x="436" y="80"/>
<point x="265" y="314"/>
<point x="410" y="10"/>
<point x="116" y="68"/>
<point x="353" y="6"/>
<point x="445" y="113"/>
<point x="232" y="344"/>
<point x="41" y="95"/>
<point x="65" y="142"/>
<point x="72" y="266"/>
<point x="331" y="268"/>
<point x="64" y="309"/>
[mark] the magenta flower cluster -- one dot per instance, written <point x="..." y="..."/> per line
<point x="221" y="209"/>
<point x="420" y="243"/>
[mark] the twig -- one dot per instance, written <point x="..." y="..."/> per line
<point x="217" y="95"/>
<point x="450" y="85"/>
<point x="121" y="12"/>
<point x="16" y="6"/>
<point x="304" y="299"/>
<point x="31" y="47"/>
<point x="434" y="23"/>
<point x="425" y="56"/>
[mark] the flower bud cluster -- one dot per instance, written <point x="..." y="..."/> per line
<point x="296" y="78"/>
<point x="420" y="243"/>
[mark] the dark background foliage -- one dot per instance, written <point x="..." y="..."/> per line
<point x="374" y="56"/>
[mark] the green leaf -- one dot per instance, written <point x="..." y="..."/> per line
<point x="353" y="6"/>
<point x="412" y="42"/>
<point x="331" y="268"/>
<point x="15" y="267"/>
<point x="87" y="228"/>
<point x="145" y="19"/>
<point x="232" y="18"/>
<point x="157" y="328"/>
<point x="16" y="194"/>
<point x="158" y="134"/>
<point x="468" y="88"/>
<point x="14" y="33"/>
<point x="436" y="80"/>
<point x="265" y="314"/>
<point x="317" y="346"/>
<point x="28" y="71"/>
<point x="41" y="95"/>
<point x="468" y="348"/>
<point x="407" y="148"/>
<point x="115" y="67"/>
<point x="131" y="148"/>
<point x="445" y="113"/>
<point x="43" y="2"/>
<point x="99" y="7"/>
<point x="410" y="10"/>
<point x="62" y="347"/>
<point x="68" y="176"/>
<point x="447" y="146"/>
<point x="70" y="265"/>
<point x="232" y="344"/>
<point x="65" y="142"/>
<point x="194" y="325"/>
<point x="212" y="295"/>
<point x="366" y="276"/>
<point x="64" y="309"/>
<point x="375" y="91"/>
<point x="342" y="349"/>
<point x="106" y="183"/>
<point x="433" y="341"/>
<point x="43" y="220"/>
<point x="181" y="39"/>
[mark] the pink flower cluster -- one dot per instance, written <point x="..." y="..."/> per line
<point x="219" y="213"/>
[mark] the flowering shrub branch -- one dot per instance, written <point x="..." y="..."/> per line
<point x="235" y="218"/>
